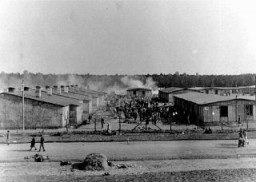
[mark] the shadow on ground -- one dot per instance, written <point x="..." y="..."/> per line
<point x="28" y="150"/>
<point x="228" y="145"/>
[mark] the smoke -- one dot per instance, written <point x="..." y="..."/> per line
<point x="74" y="80"/>
<point x="116" y="89"/>
<point x="108" y="84"/>
<point x="130" y="82"/>
<point x="95" y="85"/>
<point x="120" y="86"/>
<point x="69" y="80"/>
<point x="2" y="86"/>
<point x="9" y="81"/>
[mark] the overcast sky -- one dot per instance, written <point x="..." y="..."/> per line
<point x="128" y="36"/>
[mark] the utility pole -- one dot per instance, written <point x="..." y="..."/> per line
<point x="23" y="113"/>
<point x="95" y="129"/>
<point x="247" y="125"/>
<point x="254" y="95"/>
<point x="236" y="110"/>
<point x="170" y="120"/>
<point x="67" y="120"/>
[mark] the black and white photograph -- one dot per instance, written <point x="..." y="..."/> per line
<point x="127" y="90"/>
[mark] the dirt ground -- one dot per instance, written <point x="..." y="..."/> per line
<point x="172" y="170"/>
<point x="202" y="168"/>
<point x="87" y="133"/>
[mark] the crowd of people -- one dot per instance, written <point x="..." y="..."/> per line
<point x="143" y="109"/>
<point x="146" y="109"/>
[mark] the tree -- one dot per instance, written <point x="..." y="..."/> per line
<point x="39" y="79"/>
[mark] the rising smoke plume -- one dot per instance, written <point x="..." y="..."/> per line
<point x="117" y="84"/>
<point x="120" y="87"/>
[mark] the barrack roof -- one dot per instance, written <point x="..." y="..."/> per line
<point x="85" y="94"/>
<point x="202" y="99"/>
<point x="171" y="89"/>
<point x="139" y="88"/>
<point x="73" y="95"/>
<point x="51" y="99"/>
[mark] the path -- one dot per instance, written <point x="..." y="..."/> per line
<point x="134" y="150"/>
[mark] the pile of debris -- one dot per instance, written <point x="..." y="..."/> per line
<point x="38" y="157"/>
<point x="144" y="128"/>
<point x="92" y="162"/>
<point x="96" y="162"/>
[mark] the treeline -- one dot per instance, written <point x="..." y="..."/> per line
<point x="102" y="82"/>
<point x="184" y="80"/>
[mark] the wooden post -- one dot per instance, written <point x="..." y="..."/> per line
<point x="255" y="88"/>
<point x="247" y="126"/>
<point x="95" y="129"/>
<point x="67" y="121"/>
<point x="254" y="94"/>
<point x="23" y="110"/>
<point x="170" y="120"/>
<point x="236" y="110"/>
<point x="119" y="124"/>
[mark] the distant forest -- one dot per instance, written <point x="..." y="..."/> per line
<point x="103" y="82"/>
<point x="184" y="80"/>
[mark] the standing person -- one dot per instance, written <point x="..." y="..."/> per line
<point x="8" y="137"/>
<point x="33" y="143"/>
<point x="135" y="115"/>
<point x="90" y="118"/>
<point x="188" y="119"/>
<point x="245" y="138"/>
<point x="102" y="122"/>
<point x="41" y="143"/>
<point x="147" y="122"/>
<point x="241" y="138"/>
<point x="109" y="128"/>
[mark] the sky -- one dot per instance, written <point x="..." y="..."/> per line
<point x="128" y="36"/>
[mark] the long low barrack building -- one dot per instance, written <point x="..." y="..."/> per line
<point x="208" y="109"/>
<point x="166" y="95"/>
<point x="42" y="109"/>
<point x="139" y="92"/>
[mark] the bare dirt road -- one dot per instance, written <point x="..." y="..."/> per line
<point x="202" y="160"/>
<point x="195" y="149"/>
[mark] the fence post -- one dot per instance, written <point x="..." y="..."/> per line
<point x="170" y="120"/>
<point x="119" y="125"/>
<point x="247" y="124"/>
<point x="95" y="129"/>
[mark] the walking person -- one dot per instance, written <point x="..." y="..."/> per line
<point x="33" y="143"/>
<point x="8" y="137"/>
<point x="42" y="143"/>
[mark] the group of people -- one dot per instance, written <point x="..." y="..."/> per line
<point x="242" y="141"/>
<point x="208" y="131"/>
<point x="33" y="144"/>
